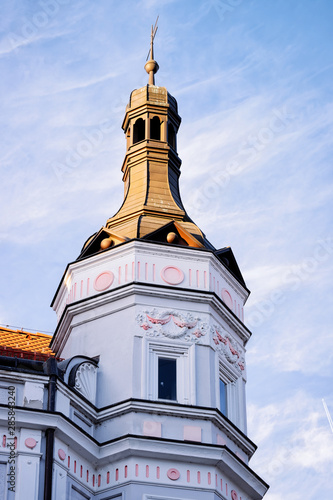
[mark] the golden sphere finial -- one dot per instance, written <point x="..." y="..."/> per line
<point x="172" y="238"/>
<point x="106" y="243"/>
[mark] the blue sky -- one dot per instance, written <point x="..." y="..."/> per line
<point x="253" y="80"/>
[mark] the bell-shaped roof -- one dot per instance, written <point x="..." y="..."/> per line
<point x="151" y="170"/>
<point x="152" y="208"/>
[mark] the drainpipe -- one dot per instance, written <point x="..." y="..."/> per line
<point x="51" y="369"/>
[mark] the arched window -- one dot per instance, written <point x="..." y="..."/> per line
<point x="155" y="128"/>
<point x="171" y="136"/>
<point x="138" y="131"/>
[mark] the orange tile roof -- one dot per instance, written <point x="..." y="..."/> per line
<point x="25" y="344"/>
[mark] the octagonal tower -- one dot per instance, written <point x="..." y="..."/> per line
<point x="151" y="328"/>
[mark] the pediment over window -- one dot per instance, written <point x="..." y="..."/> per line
<point x="174" y="233"/>
<point x="226" y="256"/>
<point x="102" y="240"/>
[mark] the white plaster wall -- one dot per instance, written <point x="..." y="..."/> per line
<point x="113" y="332"/>
<point x="109" y="336"/>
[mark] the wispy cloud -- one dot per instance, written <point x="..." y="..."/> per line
<point x="75" y="85"/>
<point x="301" y="444"/>
<point x="12" y="42"/>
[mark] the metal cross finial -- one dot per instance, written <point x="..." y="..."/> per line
<point x="151" y="65"/>
<point x="153" y="33"/>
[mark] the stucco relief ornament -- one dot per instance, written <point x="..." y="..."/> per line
<point x="234" y="495"/>
<point x="229" y="348"/>
<point x="85" y="380"/>
<point x="172" y="324"/>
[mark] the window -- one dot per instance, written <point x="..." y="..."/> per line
<point x="229" y="397"/>
<point x="230" y="393"/>
<point x="223" y="397"/>
<point x="155" y="128"/>
<point x="167" y="379"/>
<point x="169" y="373"/>
<point x="171" y="136"/>
<point x="138" y="131"/>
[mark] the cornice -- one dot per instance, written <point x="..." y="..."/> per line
<point x="99" y="453"/>
<point x="64" y="326"/>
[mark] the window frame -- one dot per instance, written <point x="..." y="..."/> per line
<point x="185" y="371"/>
<point x="139" y="130"/>
<point x="230" y="380"/>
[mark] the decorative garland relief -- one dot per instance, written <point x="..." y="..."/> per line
<point x="174" y="325"/>
<point x="229" y="348"/>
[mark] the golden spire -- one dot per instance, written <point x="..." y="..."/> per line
<point x="151" y="66"/>
<point x="151" y="170"/>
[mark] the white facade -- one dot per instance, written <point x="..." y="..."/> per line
<point x="145" y="301"/>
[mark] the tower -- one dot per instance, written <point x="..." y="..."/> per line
<point x="160" y="311"/>
<point x="146" y="399"/>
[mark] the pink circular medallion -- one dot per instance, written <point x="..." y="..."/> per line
<point x="103" y="281"/>
<point x="226" y="297"/>
<point x="172" y="275"/>
<point x="61" y="454"/>
<point x="30" y="443"/>
<point x="173" y="474"/>
<point x="234" y="495"/>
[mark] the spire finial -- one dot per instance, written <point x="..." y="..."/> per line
<point x="151" y="66"/>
